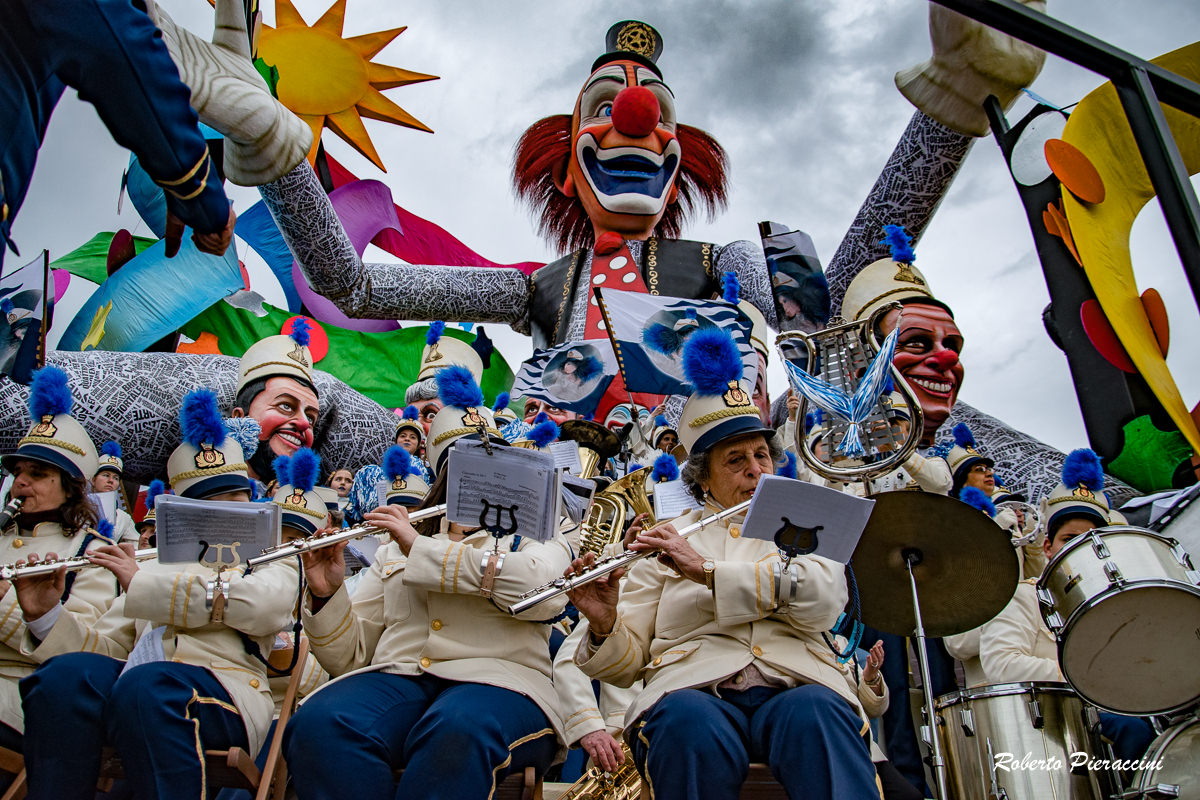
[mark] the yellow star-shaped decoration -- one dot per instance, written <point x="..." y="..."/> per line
<point x="329" y="81"/>
<point x="96" y="330"/>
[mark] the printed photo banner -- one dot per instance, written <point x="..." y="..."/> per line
<point x="22" y="295"/>
<point x="572" y="376"/>
<point x="648" y="333"/>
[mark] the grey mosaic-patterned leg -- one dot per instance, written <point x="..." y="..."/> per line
<point x="134" y="399"/>
<point x="907" y="192"/>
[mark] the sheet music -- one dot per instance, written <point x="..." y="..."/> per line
<point x="672" y="499"/>
<point x="832" y="521"/>
<point x="106" y="504"/>
<point x="213" y="532"/>
<point x="566" y="455"/>
<point x="149" y="648"/>
<point x="514" y="485"/>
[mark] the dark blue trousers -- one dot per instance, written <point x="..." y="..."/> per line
<point x="161" y="717"/>
<point x="1130" y="736"/>
<point x="693" y="745"/>
<point x="455" y="741"/>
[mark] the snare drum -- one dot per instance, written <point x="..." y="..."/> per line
<point x="1178" y="748"/>
<point x="1124" y="604"/>
<point x="1015" y="740"/>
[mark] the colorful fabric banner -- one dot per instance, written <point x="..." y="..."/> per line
<point x="572" y="376"/>
<point x="21" y="295"/>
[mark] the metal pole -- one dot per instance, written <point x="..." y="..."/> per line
<point x="939" y="766"/>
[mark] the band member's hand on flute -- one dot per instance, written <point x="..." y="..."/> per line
<point x="635" y="527"/>
<point x="117" y="559"/>
<point x="324" y="570"/>
<point x="394" y="520"/>
<point x="597" y="599"/>
<point x="674" y="551"/>
<point x="40" y="593"/>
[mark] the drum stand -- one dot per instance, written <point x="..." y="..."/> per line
<point x="912" y="557"/>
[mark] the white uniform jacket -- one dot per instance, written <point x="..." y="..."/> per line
<point x="91" y="593"/>
<point x="583" y="712"/>
<point x="259" y="605"/>
<point x="424" y="613"/>
<point x="674" y="633"/>
<point x="1017" y="646"/>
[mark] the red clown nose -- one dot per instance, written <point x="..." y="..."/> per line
<point x="635" y="112"/>
<point x="945" y="359"/>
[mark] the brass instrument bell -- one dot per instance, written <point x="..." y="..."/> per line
<point x="597" y="444"/>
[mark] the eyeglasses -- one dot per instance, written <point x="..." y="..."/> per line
<point x="981" y="468"/>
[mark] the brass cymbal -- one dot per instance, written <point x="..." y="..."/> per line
<point x="591" y="434"/>
<point x="967" y="572"/>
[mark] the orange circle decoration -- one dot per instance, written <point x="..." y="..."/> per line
<point x="1156" y="312"/>
<point x="1075" y="170"/>
<point x="318" y="340"/>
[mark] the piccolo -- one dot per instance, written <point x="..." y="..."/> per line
<point x="319" y="540"/>
<point x="606" y="565"/>
<point x="9" y="572"/>
<point x="10" y="510"/>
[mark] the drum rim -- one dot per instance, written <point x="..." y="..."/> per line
<point x="1078" y="541"/>
<point x="1113" y="590"/>
<point x="1005" y="690"/>
<point x="1158" y="747"/>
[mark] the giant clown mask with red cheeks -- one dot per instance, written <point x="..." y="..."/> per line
<point x="625" y="154"/>
<point x="927" y="355"/>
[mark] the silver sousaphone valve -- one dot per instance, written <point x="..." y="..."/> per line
<point x="846" y="375"/>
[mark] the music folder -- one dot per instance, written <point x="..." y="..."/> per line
<point x="215" y="533"/>
<point x="808" y="519"/>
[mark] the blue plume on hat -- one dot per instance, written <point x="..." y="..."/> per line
<point x="301" y="331"/>
<point x="900" y="243"/>
<point x="810" y="420"/>
<point x="50" y="393"/>
<point x="304" y="469"/>
<point x="730" y="288"/>
<point x="110" y="448"/>
<point x="200" y="420"/>
<point x="963" y="436"/>
<point x="543" y="433"/>
<point x="541" y="417"/>
<point x="6" y="305"/>
<point x="502" y="401"/>
<point x="105" y="528"/>
<point x="633" y="467"/>
<point x="457" y="387"/>
<point x="711" y="360"/>
<point x="974" y="497"/>
<point x="788" y="470"/>
<point x="1082" y="468"/>
<point x="666" y="468"/>
<point x="435" y="332"/>
<point x="397" y="462"/>
<point x="281" y="466"/>
<point x="410" y="412"/>
<point x="662" y="339"/>
<point x="155" y="488"/>
<point x="246" y="432"/>
<point x="661" y="421"/>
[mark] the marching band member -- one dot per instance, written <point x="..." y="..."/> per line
<point x="430" y="673"/>
<point x="194" y="684"/>
<point x="1017" y="646"/>
<point x="145" y="528"/>
<point x="276" y="388"/>
<point x="51" y="467"/>
<point x="410" y="434"/>
<point x="732" y="672"/>
<point x="108" y="479"/>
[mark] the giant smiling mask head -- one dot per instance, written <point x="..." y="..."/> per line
<point x="927" y="355"/>
<point x="621" y="163"/>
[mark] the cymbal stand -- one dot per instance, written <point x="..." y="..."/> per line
<point x="912" y="557"/>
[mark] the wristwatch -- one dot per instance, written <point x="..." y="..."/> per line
<point x="710" y="568"/>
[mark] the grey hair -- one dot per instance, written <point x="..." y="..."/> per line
<point x="695" y="469"/>
<point x="421" y="390"/>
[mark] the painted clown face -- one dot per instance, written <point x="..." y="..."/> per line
<point x="625" y="155"/>
<point x="927" y="355"/>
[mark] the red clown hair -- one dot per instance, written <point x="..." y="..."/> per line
<point x="544" y="150"/>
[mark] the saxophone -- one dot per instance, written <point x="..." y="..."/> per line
<point x="596" y="784"/>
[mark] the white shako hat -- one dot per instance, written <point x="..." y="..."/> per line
<point x="56" y="437"/>
<point x="302" y="505"/>
<point x="462" y="413"/>
<point x="285" y="355"/>
<point x="720" y="405"/>
<point x="210" y="460"/>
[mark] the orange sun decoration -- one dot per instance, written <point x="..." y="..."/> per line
<point x="330" y="81"/>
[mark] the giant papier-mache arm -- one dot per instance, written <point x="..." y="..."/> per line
<point x="135" y="397"/>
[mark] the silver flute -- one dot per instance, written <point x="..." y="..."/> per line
<point x="319" y="540"/>
<point x="10" y="572"/>
<point x="564" y="584"/>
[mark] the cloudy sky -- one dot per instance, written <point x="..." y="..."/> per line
<point x="801" y="95"/>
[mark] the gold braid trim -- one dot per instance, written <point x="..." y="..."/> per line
<point x="302" y="510"/>
<point x="723" y="413"/>
<point x="444" y="435"/>
<point x="74" y="448"/>
<point x="1074" y="498"/>
<point x="194" y="193"/>
<point x="201" y="473"/>
<point x="292" y="364"/>
<point x="187" y="175"/>
<point x="890" y="292"/>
